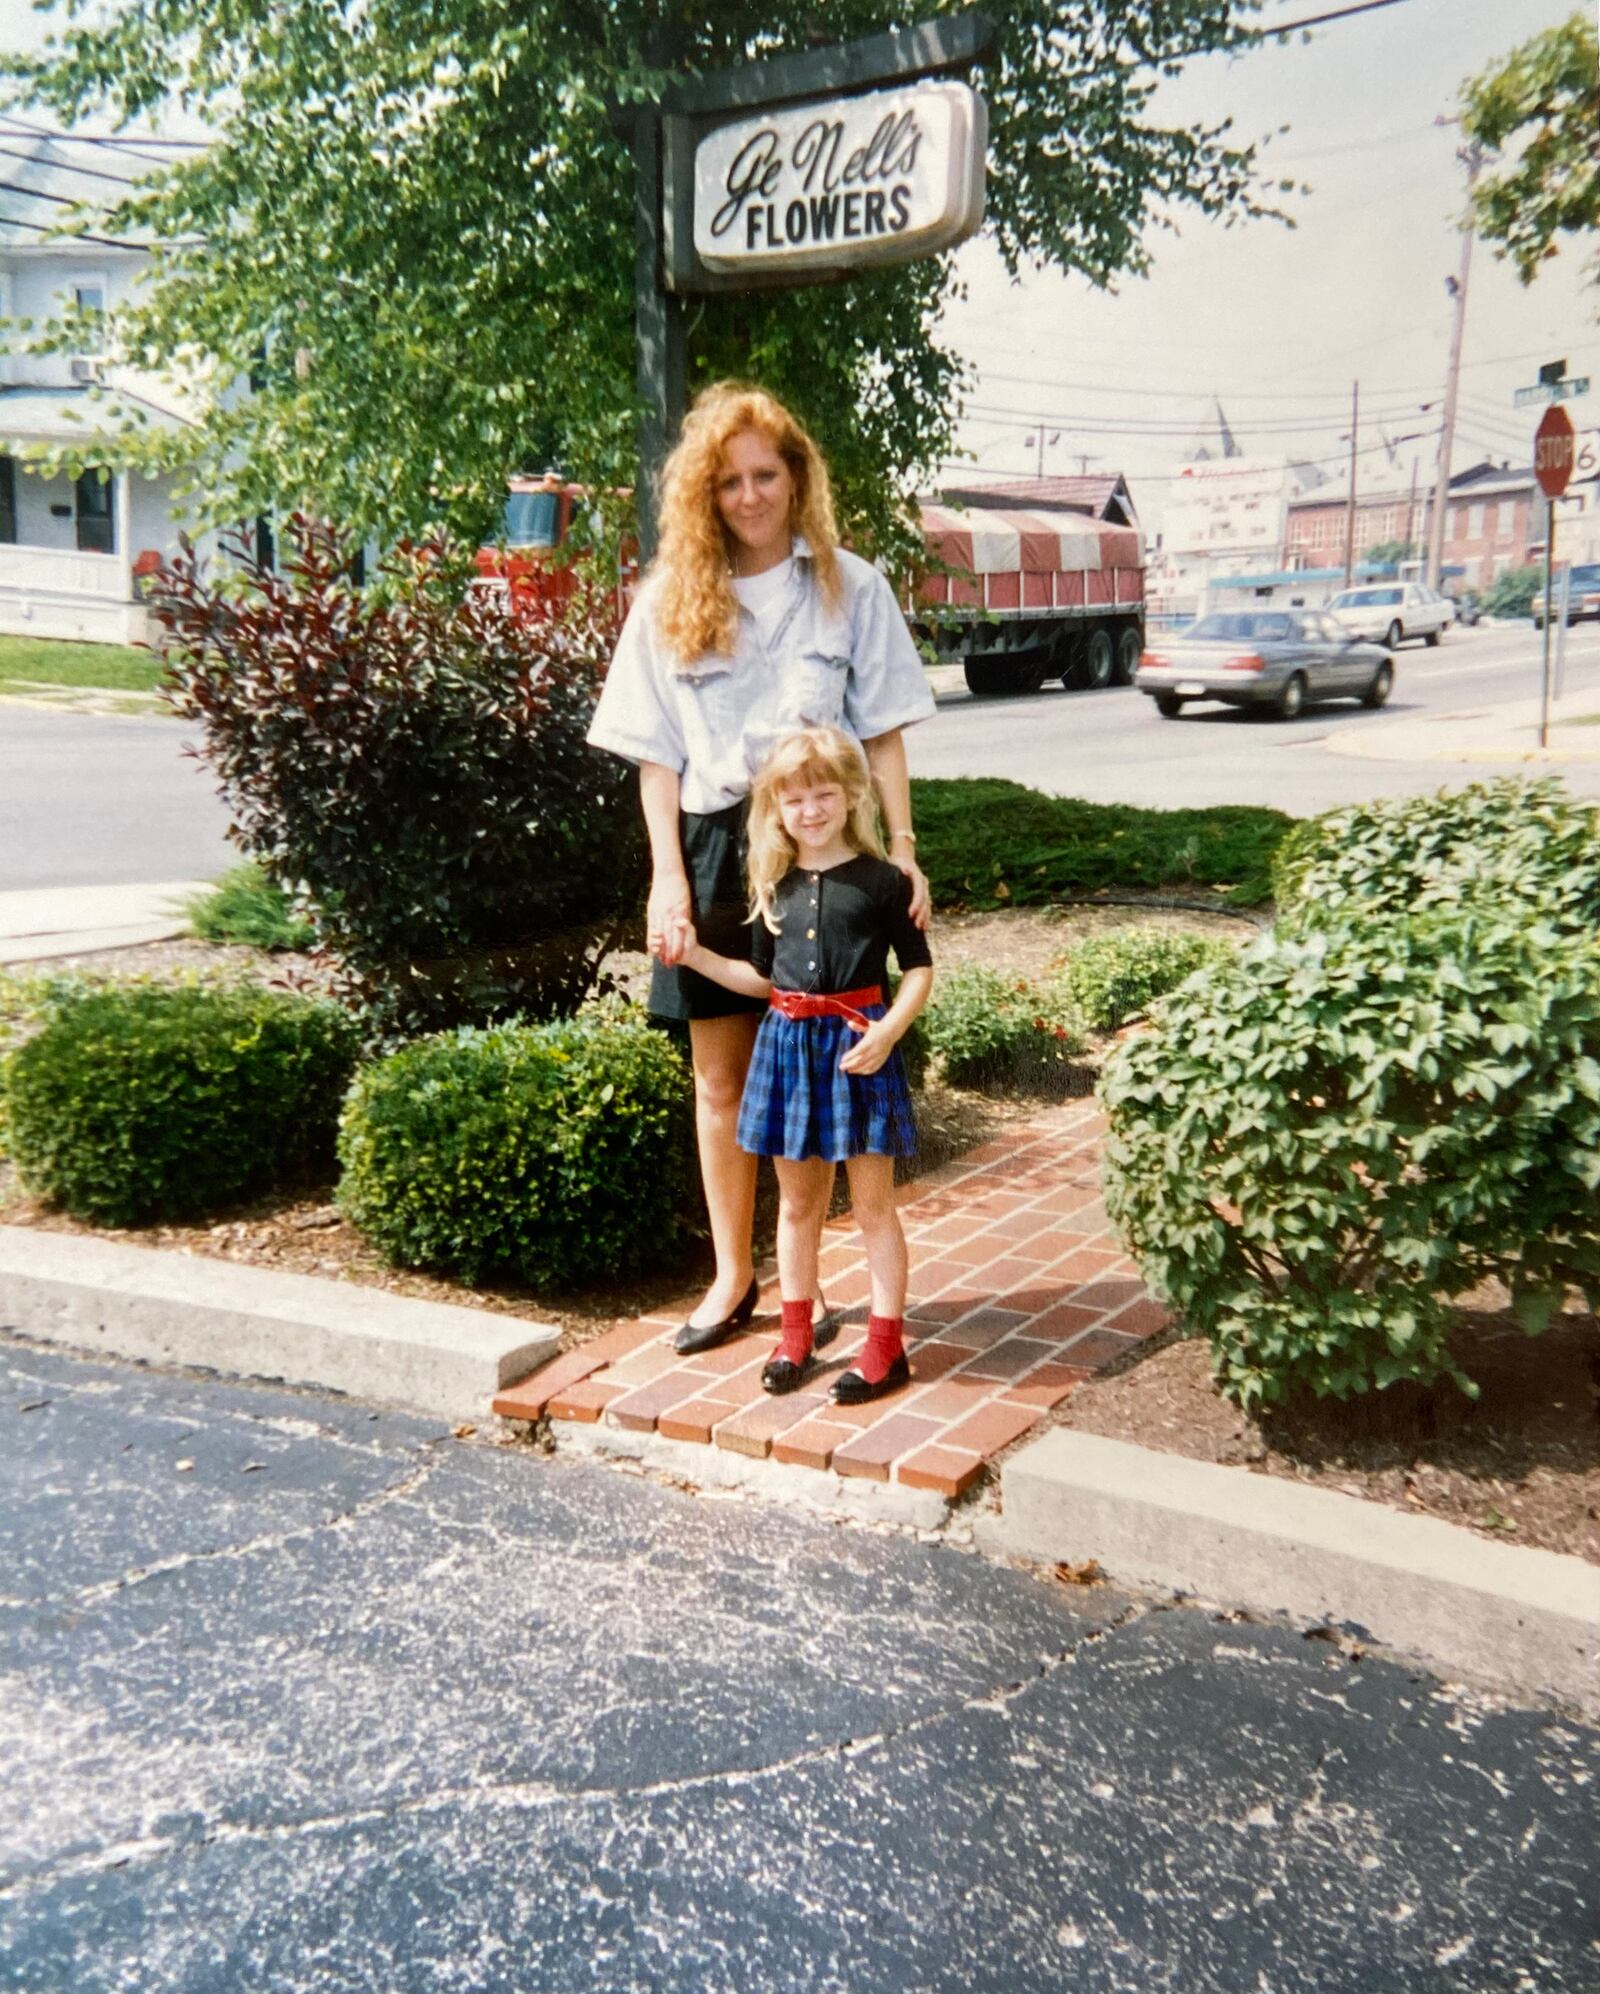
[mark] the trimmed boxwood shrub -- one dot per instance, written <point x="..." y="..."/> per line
<point x="1489" y="845"/>
<point x="557" y="1153"/>
<point x="1117" y="976"/>
<point x="135" y="1104"/>
<point x="1314" y="1150"/>
<point x="996" y="1031"/>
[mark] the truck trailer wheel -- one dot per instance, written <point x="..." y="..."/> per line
<point x="1130" y="647"/>
<point x="987" y="676"/>
<point x="1096" y="662"/>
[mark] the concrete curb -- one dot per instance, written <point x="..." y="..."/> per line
<point x="48" y="923"/>
<point x="1517" y="1619"/>
<point x="248" y="1322"/>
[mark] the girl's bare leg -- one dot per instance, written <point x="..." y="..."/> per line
<point x="803" y="1193"/>
<point x="721" y="1049"/>
<point x="872" y="1199"/>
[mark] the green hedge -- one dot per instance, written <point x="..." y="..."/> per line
<point x="557" y="1153"/>
<point x="984" y="842"/>
<point x="1316" y="1149"/>
<point x="1117" y="976"/>
<point x="135" y="1104"/>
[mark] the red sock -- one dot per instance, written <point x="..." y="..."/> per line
<point x="795" y="1342"/>
<point x="883" y="1346"/>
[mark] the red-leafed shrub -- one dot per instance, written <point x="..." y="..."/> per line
<point x="410" y="760"/>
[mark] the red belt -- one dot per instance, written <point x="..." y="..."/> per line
<point x="846" y="1004"/>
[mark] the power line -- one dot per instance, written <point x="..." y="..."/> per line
<point x="1319" y="20"/>
<point x="52" y="228"/>
<point x="23" y="127"/>
<point x="65" y="165"/>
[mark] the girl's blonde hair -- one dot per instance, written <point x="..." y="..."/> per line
<point x="698" y="611"/>
<point x="808" y="759"/>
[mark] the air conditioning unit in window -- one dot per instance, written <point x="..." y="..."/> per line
<point x="87" y="369"/>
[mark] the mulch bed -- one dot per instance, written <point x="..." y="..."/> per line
<point x="1520" y="1463"/>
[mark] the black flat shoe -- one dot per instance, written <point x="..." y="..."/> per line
<point x="782" y="1374"/>
<point x="850" y="1388"/>
<point x="824" y="1324"/>
<point x="695" y="1337"/>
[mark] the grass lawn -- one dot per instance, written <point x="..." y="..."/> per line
<point x="49" y="661"/>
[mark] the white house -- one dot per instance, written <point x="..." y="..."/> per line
<point x="71" y="548"/>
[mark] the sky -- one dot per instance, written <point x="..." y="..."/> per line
<point x="1279" y="322"/>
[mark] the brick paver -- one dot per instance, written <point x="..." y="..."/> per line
<point x="1019" y="1291"/>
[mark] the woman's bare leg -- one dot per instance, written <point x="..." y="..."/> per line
<point x="720" y="1049"/>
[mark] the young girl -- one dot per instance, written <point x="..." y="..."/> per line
<point x="826" y="1080"/>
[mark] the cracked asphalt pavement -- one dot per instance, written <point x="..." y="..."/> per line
<point x="295" y="1695"/>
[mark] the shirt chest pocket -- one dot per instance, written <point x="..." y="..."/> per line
<point x="817" y="676"/>
<point x="706" y="700"/>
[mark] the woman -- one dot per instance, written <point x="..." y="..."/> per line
<point x="752" y="622"/>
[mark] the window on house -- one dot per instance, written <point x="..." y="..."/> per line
<point x="90" y="300"/>
<point x="1475" y="524"/>
<point x="92" y="505"/>
<point x="8" y="502"/>
<point x="1507" y="522"/>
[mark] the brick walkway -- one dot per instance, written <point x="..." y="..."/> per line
<point x="1020" y="1291"/>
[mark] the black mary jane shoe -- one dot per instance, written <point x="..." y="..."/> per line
<point x="824" y="1324"/>
<point x="850" y="1388"/>
<point x="695" y="1337"/>
<point x="782" y="1374"/>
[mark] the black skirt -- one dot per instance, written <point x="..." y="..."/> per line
<point x="714" y="849"/>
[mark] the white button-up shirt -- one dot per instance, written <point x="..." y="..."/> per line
<point x="800" y="664"/>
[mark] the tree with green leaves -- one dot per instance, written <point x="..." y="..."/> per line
<point x="1390" y="553"/>
<point x="406" y="263"/>
<point x="1536" y="112"/>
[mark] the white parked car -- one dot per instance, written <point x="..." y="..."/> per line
<point x="1391" y="612"/>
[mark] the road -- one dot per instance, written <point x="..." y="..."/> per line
<point x="346" y="1706"/>
<point x="103" y="800"/>
<point x="88" y="800"/>
<point x="1113" y="747"/>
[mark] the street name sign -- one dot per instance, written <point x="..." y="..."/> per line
<point x="883" y="177"/>
<point x="1552" y="391"/>
<point x="1554" y="448"/>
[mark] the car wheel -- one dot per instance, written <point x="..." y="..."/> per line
<point x="1168" y="705"/>
<point x="1431" y="637"/>
<point x="1382" y="685"/>
<point x="1293" y="696"/>
<point x="1393" y="634"/>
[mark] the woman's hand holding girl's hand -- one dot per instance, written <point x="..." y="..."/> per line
<point x="921" y="897"/>
<point x="870" y="1050"/>
<point x="668" y="925"/>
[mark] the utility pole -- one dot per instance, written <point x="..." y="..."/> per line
<point x="1350" y="504"/>
<point x="1472" y="159"/>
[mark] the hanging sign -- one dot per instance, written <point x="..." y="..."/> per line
<point x="879" y="178"/>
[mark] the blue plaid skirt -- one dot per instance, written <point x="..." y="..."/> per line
<point x="797" y="1104"/>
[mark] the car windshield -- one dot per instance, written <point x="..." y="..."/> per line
<point x="1587" y="577"/>
<point x="1255" y="626"/>
<point x="531" y="519"/>
<point x="1365" y="599"/>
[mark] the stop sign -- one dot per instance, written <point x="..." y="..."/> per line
<point x="1554" y="447"/>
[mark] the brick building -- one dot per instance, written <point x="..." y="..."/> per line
<point x="1493" y="523"/>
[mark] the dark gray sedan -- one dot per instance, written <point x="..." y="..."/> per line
<point x="1282" y="659"/>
